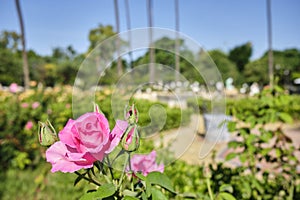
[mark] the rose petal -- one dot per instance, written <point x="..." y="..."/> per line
<point x="62" y="159"/>
<point x="66" y="135"/>
<point x="116" y="135"/>
<point x="92" y="132"/>
<point x="145" y="163"/>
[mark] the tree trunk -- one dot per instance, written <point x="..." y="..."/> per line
<point x="270" y="53"/>
<point x="177" y="59"/>
<point x="24" y="53"/>
<point x="119" y="66"/>
<point x="152" y="58"/>
<point x="129" y="33"/>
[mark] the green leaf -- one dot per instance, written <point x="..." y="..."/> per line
<point x="103" y="191"/>
<point x="130" y="198"/>
<point x="144" y="196"/>
<point x="160" y="179"/>
<point x="106" y="190"/>
<point x="231" y="126"/>
<point x="226" y="188"/>
<point x="129" y="193"/>
<point x="246" y="189"/>
<point x="230" y="156"/>
<point x="141" y="176"/>
<point x="157" y="194"/>
<point x="250" y="139"/>
<point x="226" y="196"/>
<point x="89" y="196"/>
<point x="266" y="136"/>
<point x="265" y="151"/>
<point x="148" y="188"/>
<point x="188" y="195"/>
<point x="278" y="153"/>
<point x="243" y="157"/>
<point x="257" y="185"/>
<point x="233" y="144"/>
<point x="285" y="117"/>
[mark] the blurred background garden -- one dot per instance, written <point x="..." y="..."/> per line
<point x="254" y="44"/>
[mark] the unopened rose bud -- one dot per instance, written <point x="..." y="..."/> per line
<point x="131" y="140"/>
<point x="132" y="115"/>
<point x="47" y="134"/>
<point x="96" y="108"/>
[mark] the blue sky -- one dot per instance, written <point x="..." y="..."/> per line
<point x="221" y="24"/>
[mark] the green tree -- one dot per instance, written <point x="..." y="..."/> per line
<point x="10" y="59"/>
<point x="240" y="55"/>
<point x="67" y="62"/>
<point x="164" y="54"/>
<point x="257" y="71"/>
<point x="99" y="34"/>
<point x="101" y="55"/>
<point x="227" y="67"/>
<point x="10" y="66"/>
<point x="9" y="40"/>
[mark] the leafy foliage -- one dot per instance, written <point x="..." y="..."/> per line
<point x="263" y="150"/>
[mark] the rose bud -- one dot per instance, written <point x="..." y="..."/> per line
<point x="130" y="140"/>
<point x="97" y="109"/>
<point x="47" y="134"/>
<point x="132" y="115"/>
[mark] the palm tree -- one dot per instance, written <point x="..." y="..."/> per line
<point x="177" y="61"/>
<point x="128" y="20"/>
<point x="150" y="25"/>
<point x="119" y="66"/>
<point x="24" y="53"/>
<point x="270" y="53"/>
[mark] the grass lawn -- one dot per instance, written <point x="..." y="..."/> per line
<point x="40" y="183"/>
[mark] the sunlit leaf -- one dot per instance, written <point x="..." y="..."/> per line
<point x="160" y="179"/>
<point x="103" y="191"/>
<point x="130" y="198"/>
<point x="230" y="156"/>
<point x="157" y="195"/>
<point x="226" y="196"/>
<point x="285" y="117"/>
<point x="226" y="188"/>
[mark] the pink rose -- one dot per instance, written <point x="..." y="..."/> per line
<point x="29" y="125"/>
<point x="85" y="140"/>
<point x="24" y="105"/>
<point x="145" y="164"/>
<point x="13" y="88"/>
<point x="35" y="105"/>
